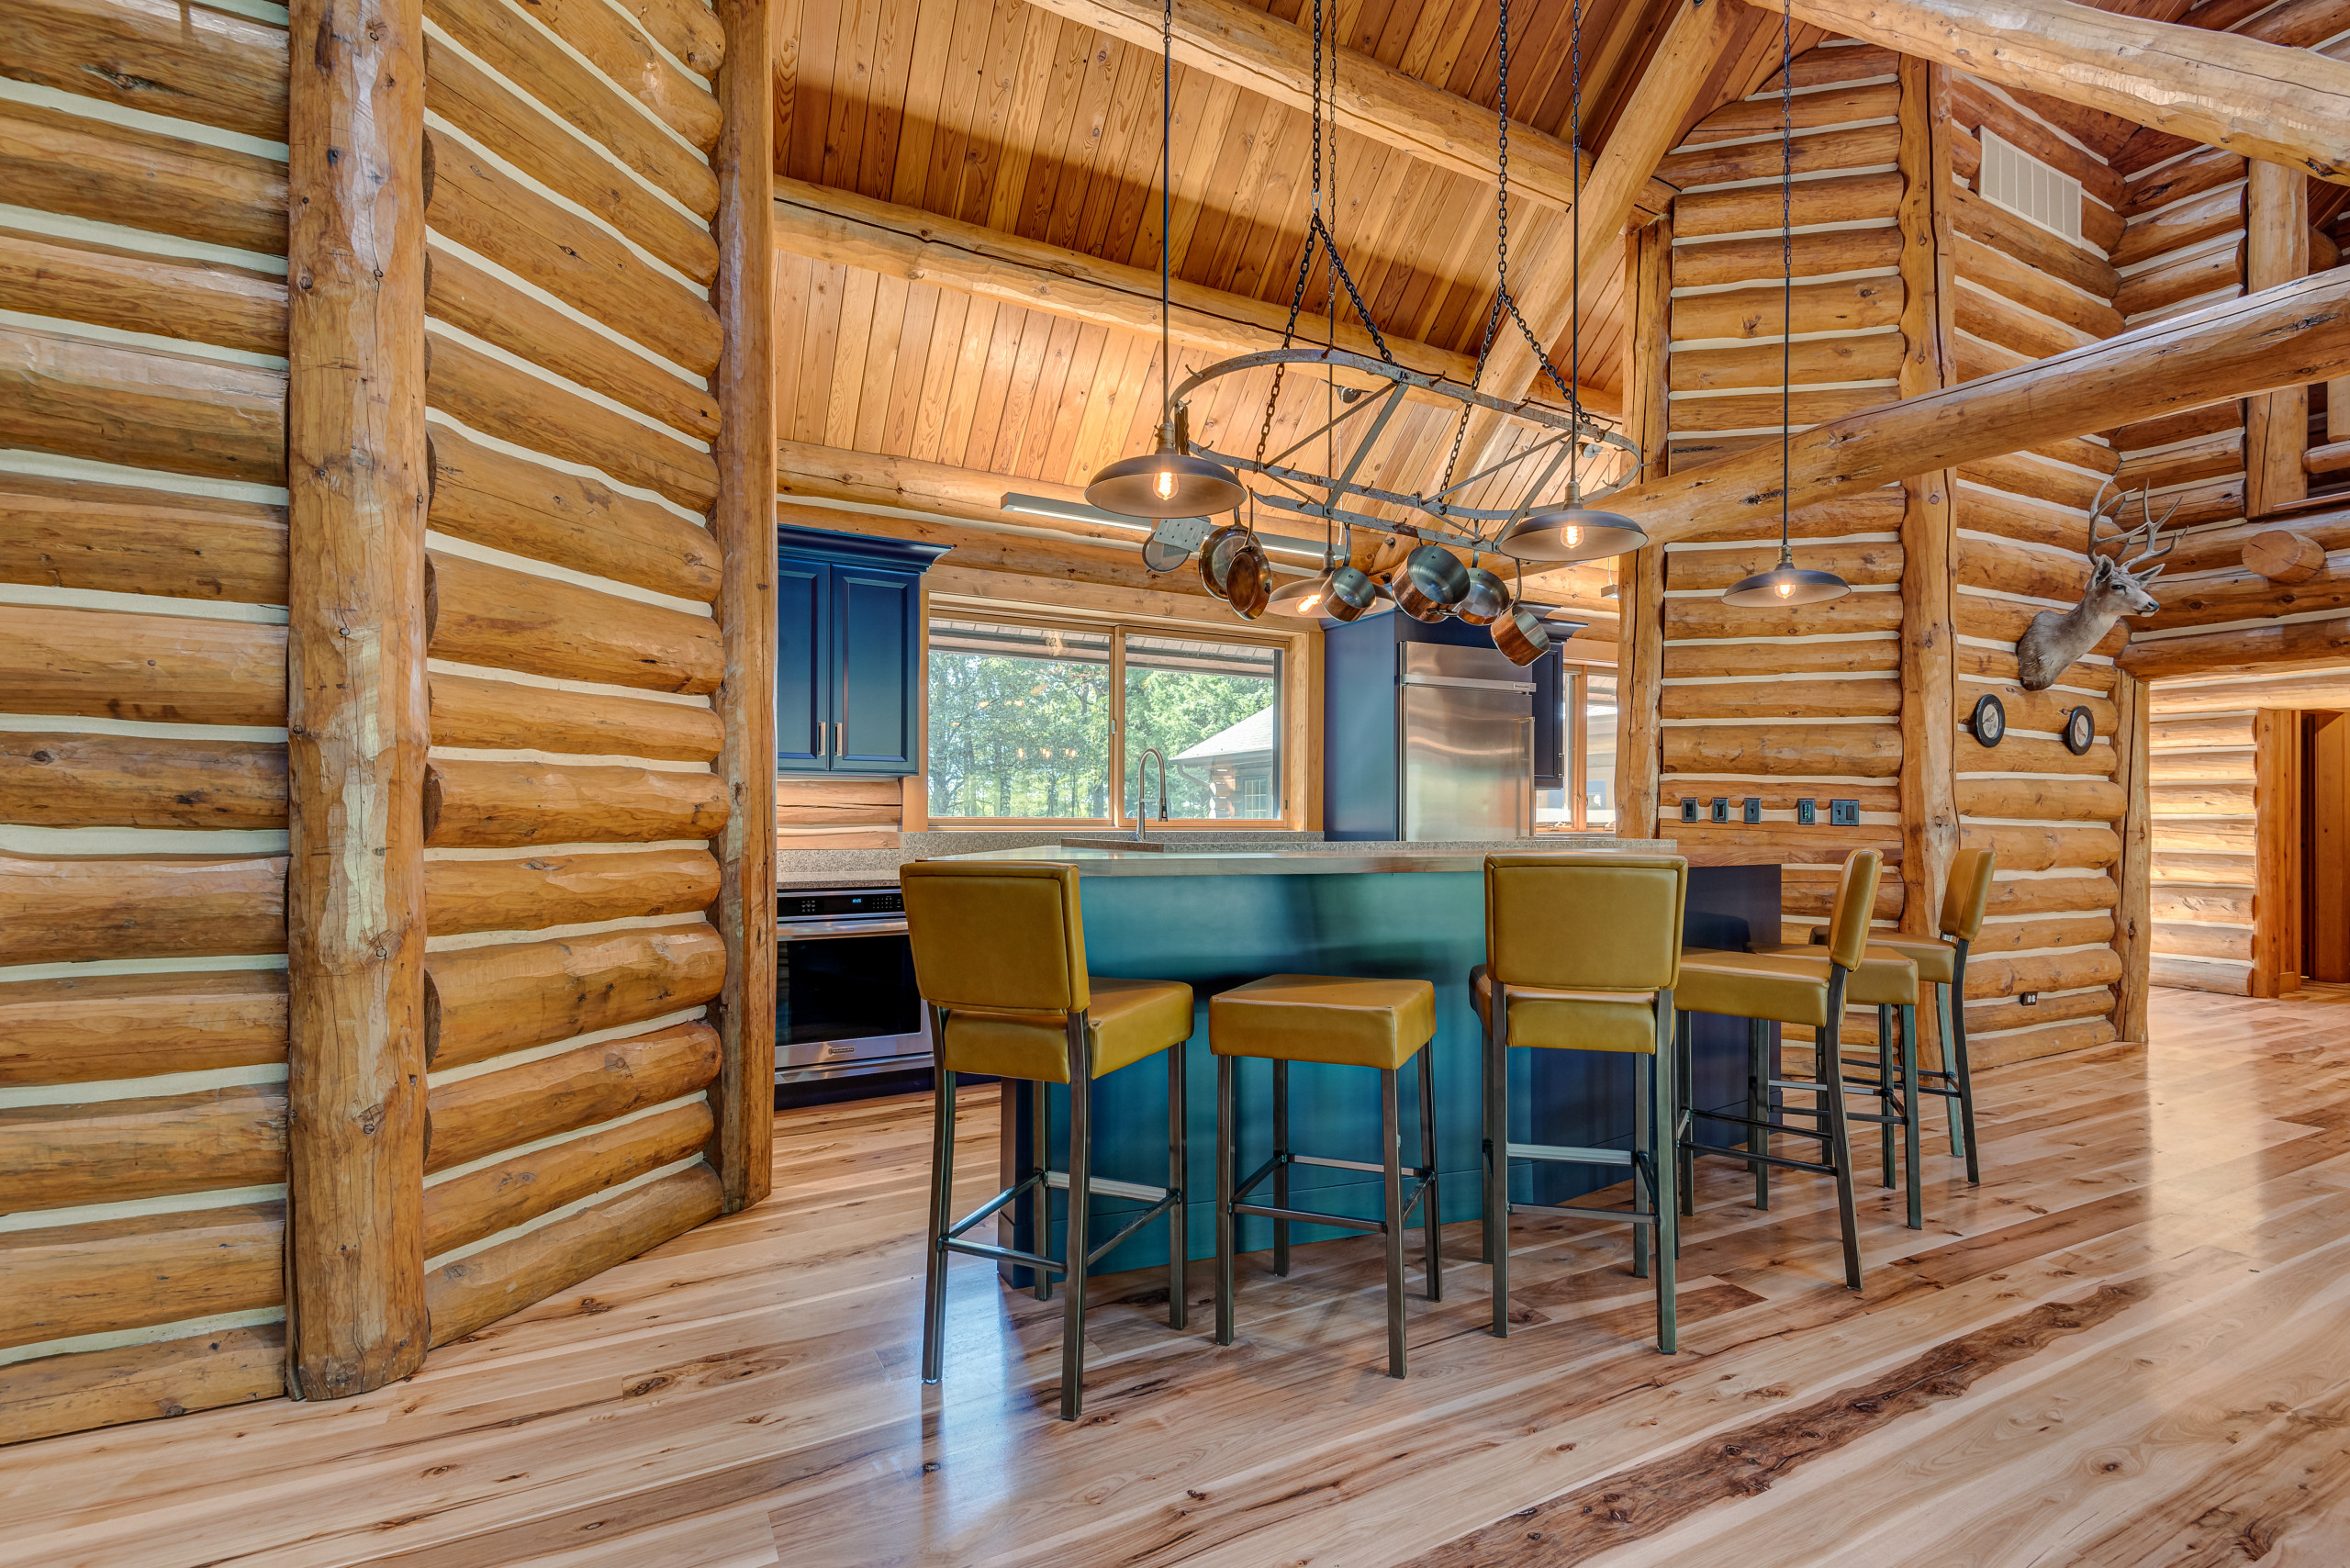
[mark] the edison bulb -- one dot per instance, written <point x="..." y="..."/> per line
<point x="1786" y="590"/>
<point x="1164" y="483"/>
<point x="1310" y="603"/>
<point x="1574" y="536"/>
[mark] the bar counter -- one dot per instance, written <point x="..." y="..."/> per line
<point x="1215" y="917"/>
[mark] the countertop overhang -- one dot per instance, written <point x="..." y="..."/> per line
<point x="1346" y="858"/>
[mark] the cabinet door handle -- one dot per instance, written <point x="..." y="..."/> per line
<point x="837" y="750"/>
<point x="819" y="737"/>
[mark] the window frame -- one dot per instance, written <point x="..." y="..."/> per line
<point x="1574" y="701"/>
<point x="1290" y="692"/>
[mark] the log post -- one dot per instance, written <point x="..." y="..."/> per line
<point x="2276" y="425"/>
<point x="2133" y="918"/>
<point x="1639" y="657"/>
<point x="1930" y="516"/>
<point x="744" y="522"/>
<point x="2277" y="853"/>
<point x="356" y="709"/>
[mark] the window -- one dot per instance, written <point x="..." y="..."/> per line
<point x="1034" y="721"/>
<point x="2016" y="180"/>
<point x="1587" y="719"/>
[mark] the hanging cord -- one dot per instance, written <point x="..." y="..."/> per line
<point x="1786" y="267"/>
<point x="1166" y="209"/>
<point x="1574" y="213"/>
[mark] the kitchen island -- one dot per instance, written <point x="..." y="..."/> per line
<point x="1220" y="917"/>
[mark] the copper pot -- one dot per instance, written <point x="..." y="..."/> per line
<point x="1487" y="599"/>
<point x="1350" y="592"/>
<point x="1429" y="583"/>
<point x="1520" y="634"/>
<point x="1249" y="579"/>
<point x="1215" y="558"/>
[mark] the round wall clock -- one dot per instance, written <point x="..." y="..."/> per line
<point x="2080" y="729"/>
<point x="1989" y="720"/>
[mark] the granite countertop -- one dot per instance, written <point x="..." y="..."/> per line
<point x="1224" y="859"/>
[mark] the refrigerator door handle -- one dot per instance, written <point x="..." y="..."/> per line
<point x="1465" y="683"/>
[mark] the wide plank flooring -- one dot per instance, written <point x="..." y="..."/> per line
<point x="2126" y="1346"/>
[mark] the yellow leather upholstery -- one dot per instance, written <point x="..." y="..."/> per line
<point x="1967" y="893"/>
<point x="1936" y="961"/>
<point x="1586" y="921"/>
<point x="1848" y="928"/>
<point x="1778" y="990"/>
<point x="1005" y="938"/>
<point x="1129" y="1019"/>
<point x="1325" y="1018"/>
<point x="1884" y="978"/>
<point x="1572" y="1020"/>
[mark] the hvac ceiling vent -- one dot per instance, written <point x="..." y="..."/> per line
<point x="2014" y="179"/>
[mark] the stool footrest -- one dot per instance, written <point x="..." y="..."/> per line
<point x="977" y="1214"/>
<point x="1144" y="1218"/>
<point x="1102" y="1186"/>
<point x="1815" y="1167"/>
<point x="1630" y="1217"/>
<point x="1363" y="1165"/>
<point x="1569" y="1154"/>
<point x="1309" y="1216"/>
<point x="1002" y="1254"/>
<point x="1756" y="1123"/>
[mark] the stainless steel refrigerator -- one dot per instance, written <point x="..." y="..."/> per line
<point x="1425" y="740"/>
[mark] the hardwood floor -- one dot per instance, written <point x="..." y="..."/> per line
<point x="2125" y="1347"/>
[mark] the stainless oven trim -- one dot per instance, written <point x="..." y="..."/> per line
<point x="848" y="926"/>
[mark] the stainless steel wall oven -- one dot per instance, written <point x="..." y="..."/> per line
<point x="845" y="997"/>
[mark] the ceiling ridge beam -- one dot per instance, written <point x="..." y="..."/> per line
<point x="1264" y="54"/>
<point x="2285" y="106"/>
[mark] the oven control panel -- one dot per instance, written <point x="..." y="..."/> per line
<point x="839" y="903"/>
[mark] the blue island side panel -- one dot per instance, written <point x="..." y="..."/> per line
<point x="1215" y="932"/>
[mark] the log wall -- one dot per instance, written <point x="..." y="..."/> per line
<point x="2205" y="863"/>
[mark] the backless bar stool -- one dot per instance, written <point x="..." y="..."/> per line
<point x="1944" y="964"/>
<point x="1766" y="988"/>
<point x="999" y="957"/>
<point x="1582" y="953"/>
<point x="1378" y="1023"/>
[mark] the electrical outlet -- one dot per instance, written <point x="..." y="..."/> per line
<point x="2029" y="999"/>
<point x="1689" y="808"/>
<point x="1721" y="808"/>
<point x="1843" y="814"/>
<point x="1807" y="811"/>
<point x="1753" y="808"/>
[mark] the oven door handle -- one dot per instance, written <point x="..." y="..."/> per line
<point x="820" y="930"/>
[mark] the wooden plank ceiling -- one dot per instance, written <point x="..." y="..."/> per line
<point x="1000" y="114"/>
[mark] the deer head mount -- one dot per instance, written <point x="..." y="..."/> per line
<point x="2117" y="587"/>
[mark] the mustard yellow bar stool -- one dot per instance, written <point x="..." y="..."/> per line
<point x="1582" y="953"/>
<point x="1766" y="989"/>
<point x="999" y="959"/>
<point x="1338" y="1022"/>
<point x="1943" y="964"/>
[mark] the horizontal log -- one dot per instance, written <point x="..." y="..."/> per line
<point x="2202" y="940"/>
<point x="1875" y="357"/>
<point x="2300" y="644"/>
<point x="2188" y="425"/>
<point x="520" y="131"/>
<point x="2234" y="839"/>
<point x="2331" y="458"/>
<point x="2003" y="620"/>
<point x="2019" y="474"/>
<point x="2205" y="598"/>
<point x="2205" y="799"/>
<point x="1851" y="198"/>
<point x="142" y="407"/>
<point x="1762" y="410"/>
<point x="2196" y="868"/>
<point x="1784" y="699"/>
<point x="1707" y="661"/>
<point x="605" y="37"/>
<point x="2197" y="730"/>
<point x="2042" y="250"/>
<point x="164" y="668"/>
<point x="1774" y="797"/>
<point x="110" y="1275"/>
<point x="1973" y="357"/>
<point x="2037" y="936"/>
<point x="189" y="62"/>
<point x="2041" y="800"/>
<point x="2200" y="974"/>
<point x="2174" y="282"/>
<point x="2201" y="767"/>
<point x="1990" y="1017"/>
<point x="477" y="1291"/>
<point x="578" y="95"/>
<point x="80" y="1391"/>
<point x="484" y="1002"/>
<point x="563" y="1093"/>
<point x="2044" y="847"/>
<point x="2004" y="568"/>
<point x="505" y="402"/>
<point x="1762" y="116"/>
<point x="500" y="715"/>
<point x="512" y="804"/>
<point x="496" y="217"/>
<point x="1848" y="304"/>
<point x="124" y="539"/>
<point x="685" y="27"/>
<point x="2223" y="904"/>
<point x="1878" y="513"/>
<point x="1974" y="106"/>
<point x="1809" y="893"/>
<point x="49" y="779"/>
<point x="1710" y="617"/>
<point x="2054" y="1039"/>
<point x="1840" y="751"/>
<point x="511" y="503"/>
<point x="2217" y="456"/>
<point x="170" y="296"/>
<point x="2176" y="227"/>
<point x="1758" y="260"/>
<point x="2173" y="703"/>
<point x="65" y="163"/>
<point x="565" y="889"/>
<point x="466" y="1208"/>
<point x="1997" y="666"/>
<point x="116" y="1150"/>
<point x="2042" y="710"/>
<point x="478" y="302"/>
<point x="2029" y="754"/>
<point x="1995" y="320"/>
<point x="90" y="906"/>
<point x="2002" y="975"/>
<point x="2206" y="168"/>
<point x="1846" y="147"/>
<point x="482" y="614"/>
<point x="88" y="1028"/>
<point x="2037" y="895"/>
<point x="2027" y="285"/>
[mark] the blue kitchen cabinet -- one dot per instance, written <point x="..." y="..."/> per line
<point x="848" y="652"/>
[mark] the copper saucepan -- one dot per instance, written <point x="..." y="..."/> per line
<point x="1486" y="601"/>
<point x="1520" y="634"/>
<point x="1215" y="557"/>
<point x="1249" y="579"/>
<point x="1429" y="583"/>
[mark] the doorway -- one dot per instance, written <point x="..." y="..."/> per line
<point x="2325" y="847"/>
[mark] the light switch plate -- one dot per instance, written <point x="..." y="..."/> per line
<point x="1721" y="808"/>
<point x="1843" y="814"/>
<point x="1689" y="808"/>
<point x="1753" y="808"/>
<point x="1807" y="811"/>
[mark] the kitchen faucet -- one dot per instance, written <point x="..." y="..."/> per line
<point x="1142" y="794"/>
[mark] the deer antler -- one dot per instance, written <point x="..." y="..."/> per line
<point x="2098" y="520"/>
<point x="2152" y="528"/>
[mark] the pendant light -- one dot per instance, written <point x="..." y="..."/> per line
<point x="1787" y="583"/>
<point x="1574" y="531"/>
<point x="1171" y="481"/>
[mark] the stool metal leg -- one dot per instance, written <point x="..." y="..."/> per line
<point x="1081" y="1179"/>
<point x="1179" y="1238"/>
<point x="1966" y="1077"/>
<point x="1664" y="1137"/>
<point x="1758" y="1105"/>
<point x="1226" y="1178"/>
<point x="1280" y="1170"/>
<point x="1950" y="1066"/>
<point x="1040" y="1144"/>
<point x="1497" y="1158"/>
<point x="1391" y="1153"/>
<point x="1831" y="1072"/>
<point x="942" y="1200"/>
<point x="1682" y="1072"/>
<point x="1644" y="1136"/>
<point x="1884" y="1088"/>
<point x="1911" y="1115"/>
<point x="1431" y="1217"/>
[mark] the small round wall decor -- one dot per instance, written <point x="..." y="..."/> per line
<point x="1989" y="721"/>
<point x="2080" y="729"/>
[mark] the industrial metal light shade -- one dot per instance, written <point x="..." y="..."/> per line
<point x="1342" y="593"/>
<point x="1571" y="533"/>
<point x="1786" y="583"/>
<point x="1168" y="482"/>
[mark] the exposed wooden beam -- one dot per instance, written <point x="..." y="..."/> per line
<point x="1266" y="55"/>
<point x="2284" y="337"/>
<point x="2288" y="105"/>
<point x="897" y="241"/>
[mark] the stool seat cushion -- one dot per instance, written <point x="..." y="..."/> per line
<point x="1324" y="1018"/>
<point x="1936" y="961"/>
<point x="1129" y="1019"/>
<point x="1753" y="985"/>
<point x="1572" y="1020"/>
<point x="1884" y="978"/>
